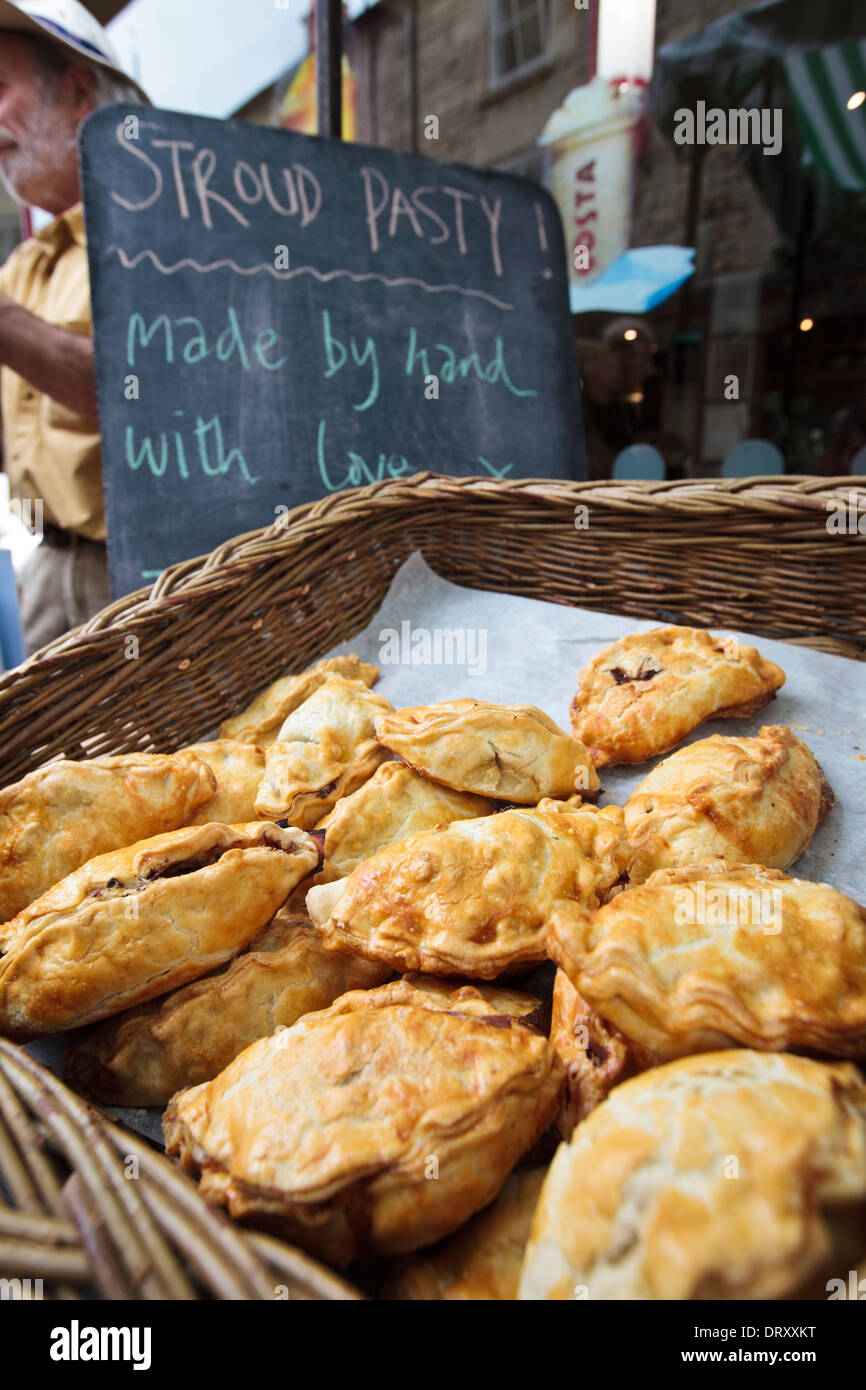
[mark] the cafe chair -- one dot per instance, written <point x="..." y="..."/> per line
<point x="639" y="461"/>
<point x="752" y="458"/>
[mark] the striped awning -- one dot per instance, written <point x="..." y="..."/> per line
<point x="823" y="80"/>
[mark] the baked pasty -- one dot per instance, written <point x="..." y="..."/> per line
<point x="509" y="752"/>
<point x="142" y="1057"/>
<point x="730" y="1175"/>
<point x="473" y="898"/>
<point x="596" y="1056"/>
<point x="643" y="694"/>
<point x="374" y="1127"/>
<point x="260" y="721"/>
<point x="477" y="1000"/>
<point x="323" y="751"/>
<point x="61" y="815"/>
<point x="238" y="769"/>
<point x="393" y="804"/>
<point x="752" y="800"/>
<point x="480" y="1261"/>
<point x="713" y="954"/>
<point x="140" y="921"/>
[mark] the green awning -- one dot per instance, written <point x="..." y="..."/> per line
<point x="823" y="80"/>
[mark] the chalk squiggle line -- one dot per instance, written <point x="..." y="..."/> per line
<point x="130" y="262"/>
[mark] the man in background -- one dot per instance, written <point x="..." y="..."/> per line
<point x="57" y="65"/>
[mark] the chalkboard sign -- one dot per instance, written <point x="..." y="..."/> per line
<point x="278" y="317"/>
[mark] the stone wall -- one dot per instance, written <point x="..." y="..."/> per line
<point x="478" y="122"/>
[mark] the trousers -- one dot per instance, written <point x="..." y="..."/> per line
<point x="61" y="587"/>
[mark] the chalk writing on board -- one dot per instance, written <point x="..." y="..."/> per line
<point x="415" y="318"/>
<point x="455" y="220"/>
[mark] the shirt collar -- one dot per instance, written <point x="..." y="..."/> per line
<point x="70" y="224"/>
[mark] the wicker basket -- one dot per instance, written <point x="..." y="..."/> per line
<point x="162" y="667"/>
<point x="91" y="1209"/>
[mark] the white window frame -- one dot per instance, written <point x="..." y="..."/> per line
<point x="497" y="27"/>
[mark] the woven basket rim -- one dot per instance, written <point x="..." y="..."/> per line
<point x="93" y="1229"/>
<point x="782" y="496"/>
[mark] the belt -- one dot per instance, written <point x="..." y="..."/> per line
<point x="60" y="539"/>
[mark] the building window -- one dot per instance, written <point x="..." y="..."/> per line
<point x="519" y="36"/>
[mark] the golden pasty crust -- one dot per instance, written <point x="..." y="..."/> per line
<point x="238" y="769"/>
<point x="475" y="1000"/>
<point x="326" y="749"/>
<point x="750" y="800"/>
<point x="509" y="752"/>
<point x="473" y="898"/>
<point x="642" y="695"/>
<point x="481" y="1261"/>
<point x="700" y="958"/>
<point x="371" y="1128"/>
<point x="58" y="817"/>
<point x="596" y="1055"/>
<point x="730" y="1175"/>
<point x="142" y="1057"/>
<point x="260" y="721"/>
<point x="393" y="804"/>
<point x="136" y="923"/>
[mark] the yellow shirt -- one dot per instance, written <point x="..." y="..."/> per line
<point x="50" y="452"/>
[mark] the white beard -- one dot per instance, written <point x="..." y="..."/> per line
<point x="45" y="147"/>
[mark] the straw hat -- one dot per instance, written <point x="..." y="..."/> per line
<point x="71" y="26"/>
